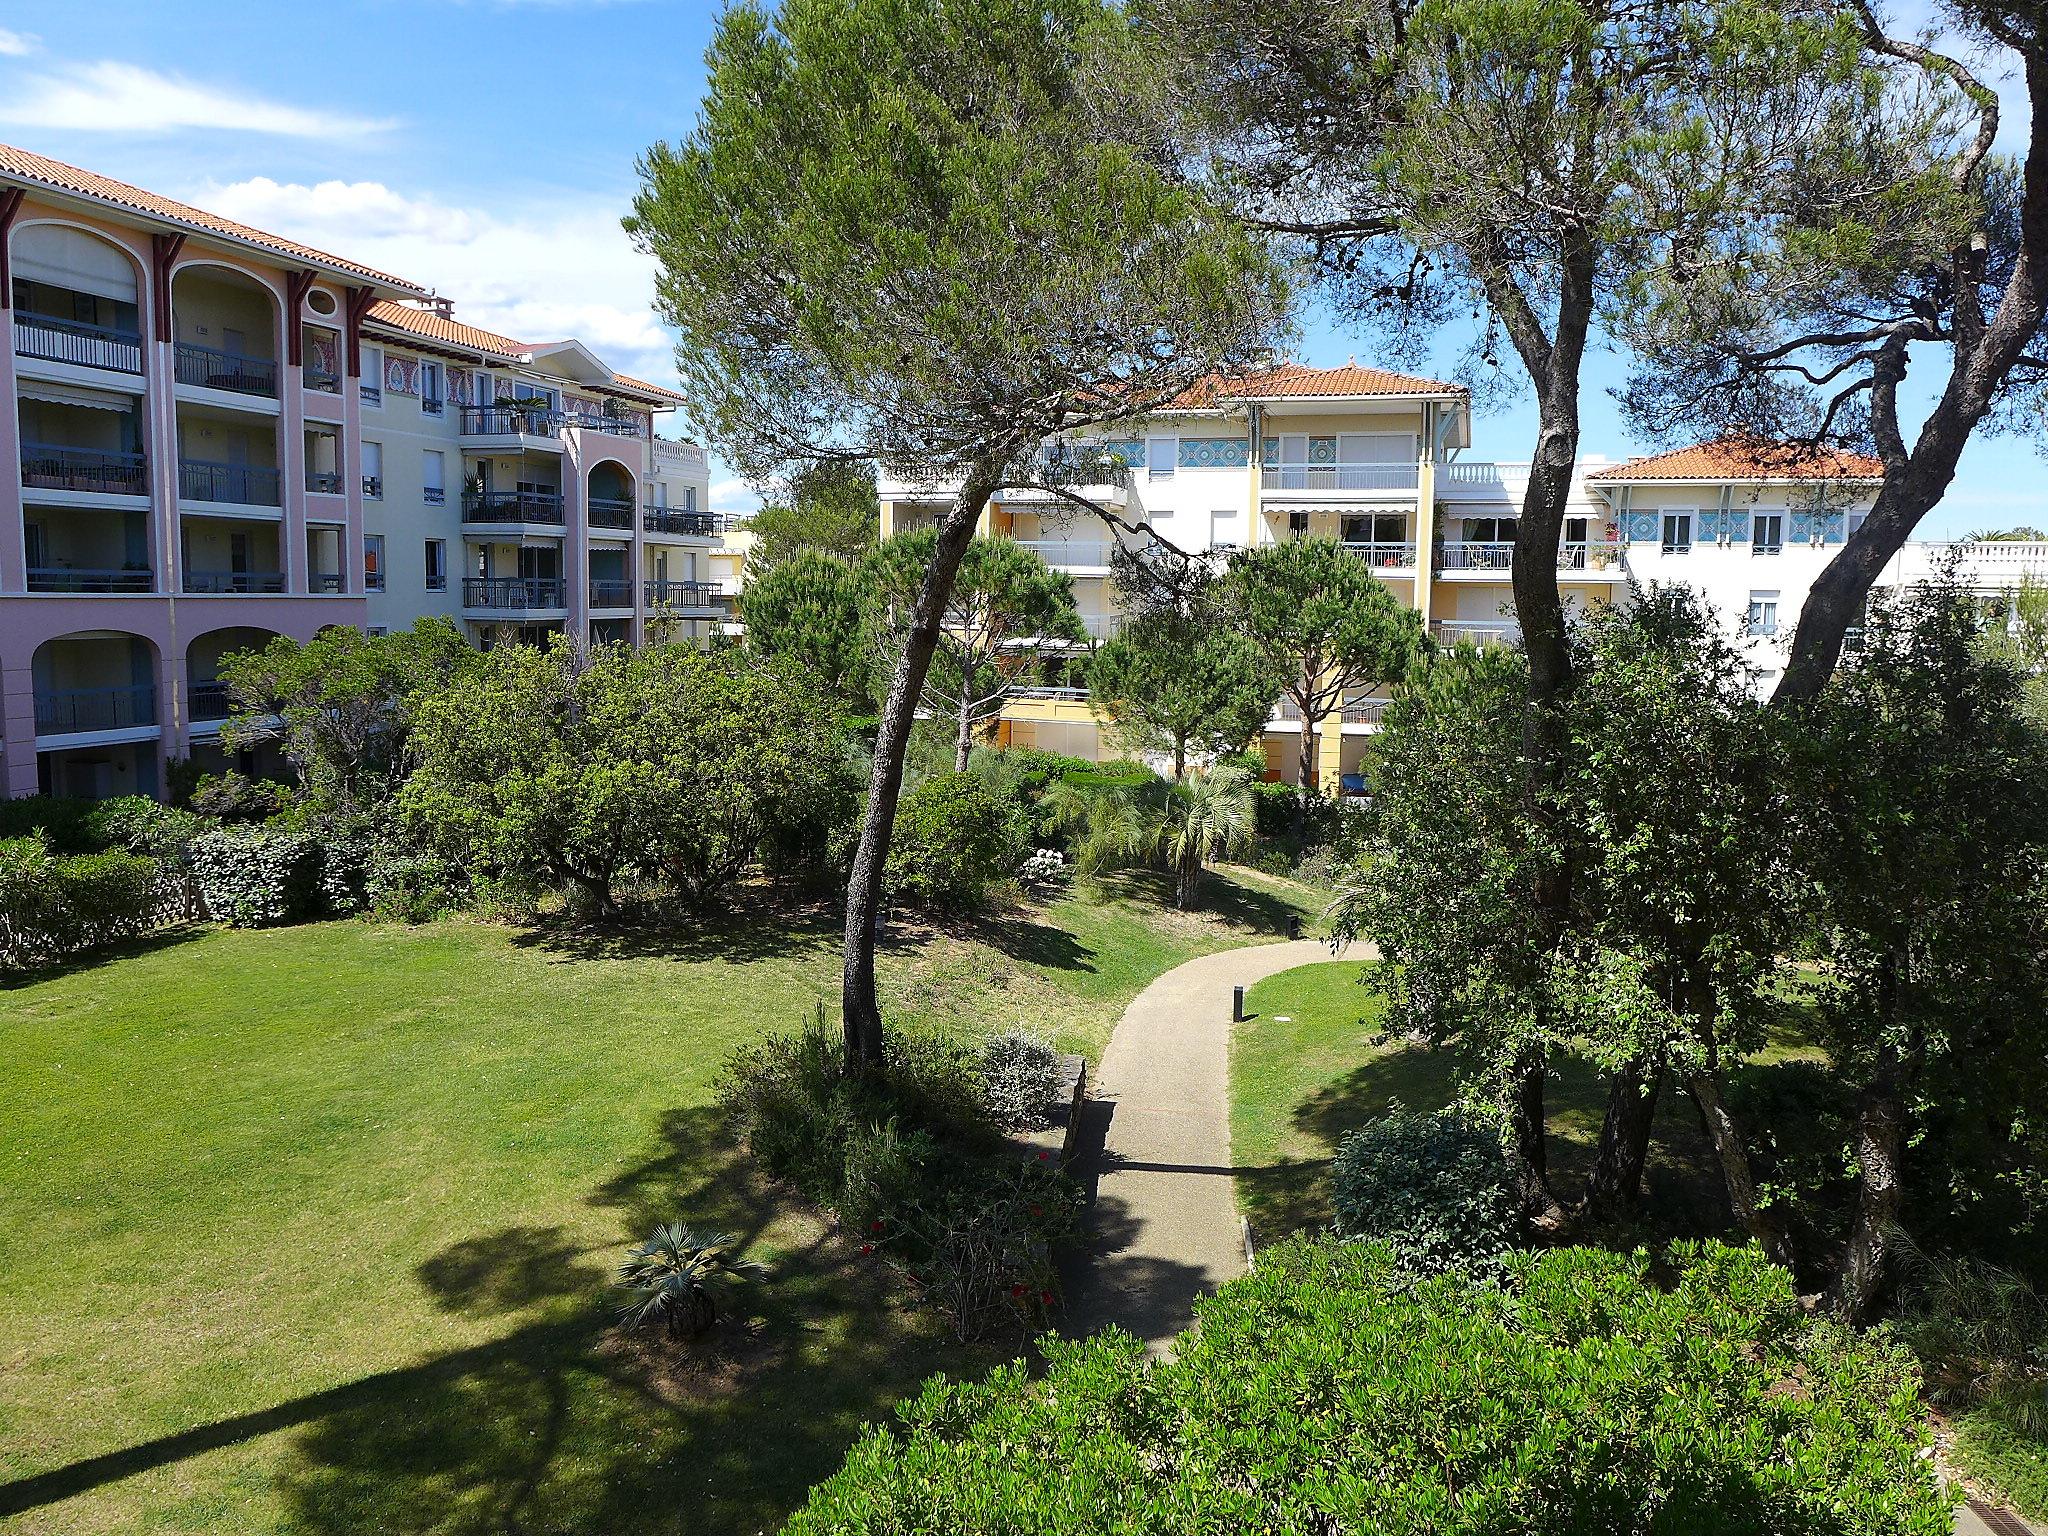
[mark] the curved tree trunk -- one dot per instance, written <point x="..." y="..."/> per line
<point x="1614" y="1187"/>
<point x="861" y="1012"/>
<point x="1737" y="1175"/>
<point x="1880" y="1137"/>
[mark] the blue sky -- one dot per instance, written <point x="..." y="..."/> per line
<point x="486" y="148"/>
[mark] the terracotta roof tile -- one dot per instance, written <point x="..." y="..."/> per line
<point x="425" y="323"/>
<point x="25" y="166"/>
<point x="1737" y="458"/>
<point x="641" y="386"/>
<point x="1300" y="381"/>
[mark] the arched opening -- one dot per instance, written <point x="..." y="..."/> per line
<point x="97" y="716"/>
<point x="225" y="326"/>
<point x="613" y="506"/>
<point x="207" y="705"/>
<point x="77" y="299"/>
<point x="612" y="498"/>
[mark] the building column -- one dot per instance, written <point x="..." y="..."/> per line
<point x="576" y="540"/>
<point x="1425" y="515"/>
<point x="18" y="720"/>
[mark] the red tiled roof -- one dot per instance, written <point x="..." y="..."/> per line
<point x="1737" y="458"/>
<point x="642" y="387"/>
<point x="1299" y="381"/>
<point x="25" y="166"/>
<point x="425" y="323"/>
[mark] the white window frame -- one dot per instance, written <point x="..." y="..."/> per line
<point x="1682" y="517"/>
<point x="1756" y="525"/>
<point x="373" y="469"/>
<point x="1760" y="619"/>
<point x="1155" y="448"/>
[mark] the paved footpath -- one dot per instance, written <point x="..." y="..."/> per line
<point x="1163" y="1227"/>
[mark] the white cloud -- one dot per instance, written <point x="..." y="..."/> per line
<point x="734" y="496"/>
<point x="112" y="97"/>
<point x="337" y="213"/>
<point x="18" y="45"/>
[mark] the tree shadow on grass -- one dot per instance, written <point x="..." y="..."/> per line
<point x="1020" y="936"/>
<point x="752" y="925"/>
<point x="107" y="954"/>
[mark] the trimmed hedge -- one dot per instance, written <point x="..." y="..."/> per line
<point x="1328" y="1392"/>
<point x="1432" y="1186"/>
<point x="53" y="904"/>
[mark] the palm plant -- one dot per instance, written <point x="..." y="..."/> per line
<point x="1182" y="825"/>
<point x="681" y="1277"/>
<point x="1208" y="815"/>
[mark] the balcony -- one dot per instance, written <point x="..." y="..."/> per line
<point x="207" y="701"/>
<point x="434" y="495"/>
<point x="370" y="394"/>
<point x="680" y="594"/>
<point x="233" y="583"/>
<point x="250" y="485"/>
<point x="1388" y="558"/>
<point x="72" y="341"/>
<point x="373" y="487"/>
<point x="237" y="373"/>
<point x="1479" y="632"/>
<point x="1364" y="711"/>
<point x="53" y="466"/>
<point x="1063" y="555"/>
<point x="323" y="482"/>
<point x="516" y="593"/>
<point x="1497" y="557"/>
<point x="612" y="511"/>
<point x="611" y="592"/>
<point x="324" y="582"/>
<point x="1339" y="479"/>
<point x="508" y="421"/>
<point x="512" y="507"/>
<point x="323" y="380"/>
<point x="604" y="421"/>
<point x="696" y="525"/>
<point x="65" y="578"/>
<point x="67" y="711"/>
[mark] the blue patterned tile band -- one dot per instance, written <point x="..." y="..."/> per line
<point x="1708" y="526"/>
<point x="1640" y="527"/>
<point x="1214" y="453"/>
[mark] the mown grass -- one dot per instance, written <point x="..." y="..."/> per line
<point x="311" y="1230"/>
<point x="1310" y="1065"/>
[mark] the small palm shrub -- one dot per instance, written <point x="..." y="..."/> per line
<point x="1432" y="1186"/>
<point x="680" y="1279"/>
<point x="1020" y="1078"/>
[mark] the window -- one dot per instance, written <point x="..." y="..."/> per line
<point x="433" y="482"/>
<point x="689" y="498"/>
<point x="437" y="565"/>
<point x="1766" y="533"/>
<point x="430" y="388"/>
<point x="1376" y="528"/>
<point x="1763" y="613"/>
<point x="661" y="495"/>
<point x="1574" y="530"/>
<point x="1491" y="530"/>
<point x="373" y="562"/>
<point x="372" y="383"/>
<point x="373" y="471"/>
<point x="1160" y="454"/>
<point x="1677" y="532"/>
<point x="1297" y="525"/>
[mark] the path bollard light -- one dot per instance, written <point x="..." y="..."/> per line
<point x="1237" y="1005"/>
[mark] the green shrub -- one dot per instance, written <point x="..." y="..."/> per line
<point x="54" y="904"/>
<point x="1432" y="1186"/>
<point x="235" y="797"/>
<point x="883" y="1170"/>
<point x="142" y="825"/>
<point x="954" y="839"/>
<point x="979" y="1244"/>
<point x="1020" y="1078"/>
<point x="250" y="877"/>
<point x="2002" y="1446"/>
<point x="679" y="1279"/>
<point x="1330" y="1392"/>
<point x="401" y="886"/>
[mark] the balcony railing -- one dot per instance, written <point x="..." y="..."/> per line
<point x="609" y="592"/>
<point x="1479" y="632"/>
<point x="668" y="520"/>
<point x="61" y="711"/>
<point x="373" y="581"/>
<point x="73" y="341"/>
<point x="680" y="594"/>
<point x="373" y="487"/>
<point x="370" y="394"/>
<point x="220" y="583"/>
<point x="53" y="466"/>
<point x="1476" y="555"/>
<point x="1339" y="477"/>
<point x="612" y="511"/>
<point x="216" y="368"/>
<point x="1364" y="711"/>
<point x="512" y="506"/>
<point x="207" y="701"/>
<point x="1594" y="555"/>
<point x="433" y="495"/>
<point x="1058" y="695"/>
<point x="514" y="592"/>
<point x="500" y="420"/>
<point x="252" y="485"/>
<point x="324" y="581"/>
<point x="1383" y="555"/>
<point x="604" y="421"/>
<point x="323" y="482"/>
<point x="324" y="381"/>
<point x="1061" y="554"/>
<point x="430" y="407"/>
<point x="64" y="578"/>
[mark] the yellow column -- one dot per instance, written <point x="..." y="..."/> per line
<point x="1425" y="518"/>
<point x="1330" y="751"/>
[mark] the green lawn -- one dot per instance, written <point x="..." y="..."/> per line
<point x="309" y="1230"/>
<point x="1308" y="1066"/>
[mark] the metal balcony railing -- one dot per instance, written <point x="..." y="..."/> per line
<point x="681" y="594"/>
<point x="430" y="407"/>
<point x="611" y="592"/>
<point x="1478" y="632"/>
<point x="514" y="592"/>
<point x="373" y="487"/>
<point x="1476" y="555"/>
<point x="512" y="506"/>
<point x="207" y="701"/>
<point x="239" y="373"/>
<point x="668" y="520"/>
<point x="234" y="582"/>
<point x="253" y="485"/>
<point x="1594" y="555"/>
<point x="1384" y="555"/>
<point x="322" y="380"/>
<point x="604" y="421"/>
<point x="65" y="578"/>
<point x="323" y="482"/>
<point x="1060" y="695"/>
<point x="433" y="495"/>
<point x="612" y="511"/>
<point x="61" y="711"/>
<point x="368" y="393"/>
<point x="1339" y="477"/>
<point x="324" y="581"/>
<point x="55" y="466"/>
<point x="74" y="341"/>
<point x="373" y="581"/>
<point x="1061" y="554"/>
<point x="1364" y="711"/>
<point x="499" y="420"/>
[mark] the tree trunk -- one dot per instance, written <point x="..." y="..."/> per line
<point x="1880" y="1134"/>
<point x="1188" y="887"/>
<point x="1180" y="758"/>
<point x="1614" y="1187"/>
<point x="963" y="741"/>
<point x="1530" y="1160"/>
<point x="1732" y="1151"/>
<point x="862" y="1014"/>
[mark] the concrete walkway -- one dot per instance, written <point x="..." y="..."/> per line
<point x="1155" y="1150"/>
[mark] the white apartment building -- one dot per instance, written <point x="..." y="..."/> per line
<point x="1379" y="461"/>
<point x="214" y="435"/>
